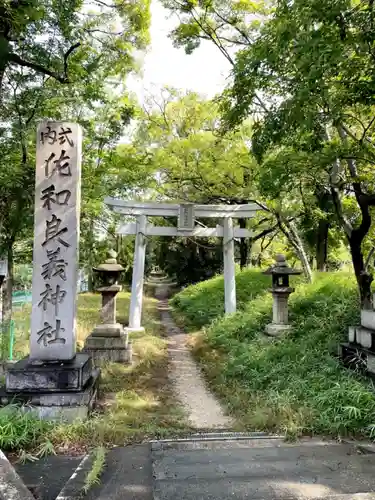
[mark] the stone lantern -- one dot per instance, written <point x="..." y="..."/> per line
<point x="280" y="272"/>
<point x="108" y="341"/>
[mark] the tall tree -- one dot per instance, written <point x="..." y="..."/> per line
<point x="71" y="39"/>
<point x="86" y="46"/>
<point x="314" y="63"/>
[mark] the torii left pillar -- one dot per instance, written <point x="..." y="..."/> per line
<point x="135" y="311"/>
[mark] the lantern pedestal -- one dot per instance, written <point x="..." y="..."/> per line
<point x="280" y="272"/>
<point x="109" y="342"/>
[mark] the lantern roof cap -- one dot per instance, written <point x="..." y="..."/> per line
<point x="281" y="267"/>
<point x="111" y="264"/>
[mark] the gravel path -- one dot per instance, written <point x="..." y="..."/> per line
<point x="202" y="408"/>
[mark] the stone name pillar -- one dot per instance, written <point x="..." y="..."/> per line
<point x="53" y="367"/>
<point x="108" y="341"/>
<point x="280" y="272"/>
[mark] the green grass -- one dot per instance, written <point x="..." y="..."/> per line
<point x="136" y="401"/>
<point x="204" y="302"/>
<point x="93" y="477"/>
<point x="294" y="384"/>
<point x="20" y="430"/>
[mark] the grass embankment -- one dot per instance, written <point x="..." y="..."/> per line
<point x="294" y="384"/>
<point x="136" y="401"/>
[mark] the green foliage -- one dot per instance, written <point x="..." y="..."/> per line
<point x="202" y="303"/>
<point x="20" y="429"/>
<point x="23" y="275"/>
<point x="62" y="60"/>
<point x="293" y="384"/>
<point x="189" y="260"/>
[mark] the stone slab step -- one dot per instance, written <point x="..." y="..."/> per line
<point x="241" y="451"/>
<point x="258" y="469"/>
<point x="224" y="440"/>
<point x="294" y="487"/>
<point x="236" y="494"/>
<point x="263" y="468"/>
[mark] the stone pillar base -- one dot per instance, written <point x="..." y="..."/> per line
<point x="108" y="330"/>
<point x="359" y="352"/>
<point x="109" y="349"/>
<point x="33" y="376"/>
<point x="48" y="402"/>
<point x="129" y="329"/>
<point x="275" y="330"/>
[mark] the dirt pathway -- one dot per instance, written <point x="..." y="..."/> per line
<point x="202" y="408"/>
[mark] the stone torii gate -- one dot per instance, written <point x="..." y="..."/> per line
<point x="186" y="214"/>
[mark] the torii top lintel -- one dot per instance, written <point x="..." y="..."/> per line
<point x="172" y="209"/>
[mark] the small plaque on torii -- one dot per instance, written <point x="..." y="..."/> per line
<point x="186" y="219"/>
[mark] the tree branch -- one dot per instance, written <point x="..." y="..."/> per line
<point x="16" y="59"/>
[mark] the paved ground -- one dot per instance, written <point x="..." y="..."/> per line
<point x="203" y="409"/>
<point x="48" y="475"/>
<point x="263" y="469"/>
<point x="128" y="475"/>
<point x="214" y="466"/>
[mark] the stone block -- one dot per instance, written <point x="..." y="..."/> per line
<point x="102" y="356"/>
<point x="368" y="319"/>
<point x="109" y="349"/>
<point x="64" y="406"/>
<point x="11" y="485"/>
<point x="106" y="342"/>
<point x="56" y="240"/>
<point x="30" y="376"/>
<point x="371" y="363"/>
<point x="275" y="330"/>
<point x="352" y="334"/>
<point x="108" y="330"/>
<point x="365" y="337"/>
<point x="129" y="330"/>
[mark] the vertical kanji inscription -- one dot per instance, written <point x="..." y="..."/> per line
<point x="56" y="236"/>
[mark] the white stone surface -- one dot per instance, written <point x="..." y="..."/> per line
<point x="135" y="312"/>
<point x="56" y="237"/>
<point x="368" y="319"/>
<point x="197" y="231"/>
<point x="371" y="363"/>
<point x="277" y="330"/>
<point x="229" y="267"/>
<point x="352" y="334"/>
<point x="364" y="337"/>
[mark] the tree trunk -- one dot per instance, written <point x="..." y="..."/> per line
<point x="364" y="278"/>
<point x="322" y="245"/>
<point x="295" y="240"/>
<point x="90" y="257"/>
<point x="7" y="291"/>
<point x="245" y="246"/>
